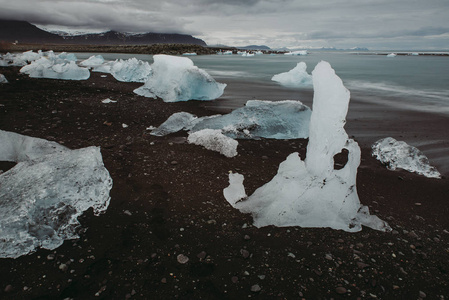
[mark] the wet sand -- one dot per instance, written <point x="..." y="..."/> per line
<point x="167" y="200"/>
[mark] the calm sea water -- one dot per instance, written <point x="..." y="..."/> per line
<point x="388" y="95"/>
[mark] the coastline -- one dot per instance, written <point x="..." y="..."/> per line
<point x="167" y="200"/>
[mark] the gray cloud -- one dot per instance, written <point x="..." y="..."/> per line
<point x="343" y="23"/>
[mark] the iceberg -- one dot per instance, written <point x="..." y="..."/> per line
<point x="55" y="69"/>
<point x="296" y="77"/>
<point x="246" y="54"/>
<point x="301" y="52"/>
<point x="399" y="155"/>
<point x="213" y="139"/>
<point x="310" y="192"/>
<point x="44" y="194"/>
<point x="3" y="79"/>
<point x="177" y="79"/>
<point x="93" y="61"/>
<point x="286" y="119"/>
<point x="131" y="70"/>
<point x="392" y="55"/>
<point x="190" y="54"/>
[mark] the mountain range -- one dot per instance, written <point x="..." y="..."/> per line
<point x="24" y="32"/>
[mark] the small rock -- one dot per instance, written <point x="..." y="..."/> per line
<point x="164" y="280"/>
<point x="127" y="212"/>
<point x="8" y="288"/>
<point x="50" y="257"/>
<point x="201" y="255"/>
<point x="234" y="279"/>
<point x="255" y="288"/>
<point x="245" y="253"/>
<point x="362" y="265"/>
<point x="265" y="157"/>
<point x="340" y="290"/>
<point x="247" y="237"/>
<point x="63" y="267"/>
<point x="182" y="259"/>
<point x="174" y="163"/>
<point x="328" y="257"/>
<point x="422" y="294"/>
<point x="418" y="204"/>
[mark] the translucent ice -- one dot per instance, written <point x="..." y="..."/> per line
<point x="296" y="77"/>
<point x="214" y="140"/>
<point x="131" y="70"/>
<point x="44" y="194"/>
<point x="399" y="155"/>
<point x="392" y="55"/>
<point x="189" y="54"/>
<point x="177" y="79"/>
<point x="301" y="52"/>
<point x="236" y="190"/>
<point x="93" y="61"/>
<point x="55" y="68"/>
<point x="287" y="119"/>
<point x="246" y="54"/>
<point x="312" y="193"/>
<point x="3" y="79"/>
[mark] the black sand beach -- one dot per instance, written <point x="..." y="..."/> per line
<point x="167" y="201"/>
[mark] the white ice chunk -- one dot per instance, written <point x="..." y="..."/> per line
<point x="392" y="55"/>
<point x="104" y="68"/>
<point x="44" y="194"/>
<point x="235" y="192"/>
<point x="93" y="61"/>
<point x="258" y="52"/>
<point x="296" y="77"/>
<point x="107" y="100"/>
<point x="247" y="54"/>
<point x="399" y="155"/>
<point x="214" y="140"/>
<point x="3" y="79"/>
<point x="286" y="119"/>
<point x="301" y="52"/>
<point x="176" y="122"/>
<point x="131" y="70"/>
<point x="189" y="54"/>
<point x="312" y="193"/>
<point x="177" y="79"/>
<point x="48" y="68"/>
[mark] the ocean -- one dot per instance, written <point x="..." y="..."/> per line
<point x="405" y="97"/>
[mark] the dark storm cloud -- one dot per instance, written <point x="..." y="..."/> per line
<point x="274" y="22"/>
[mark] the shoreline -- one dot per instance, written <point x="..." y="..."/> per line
<point x="167" y="200"/>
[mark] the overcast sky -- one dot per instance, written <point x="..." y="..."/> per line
<point x="375" y="24"/>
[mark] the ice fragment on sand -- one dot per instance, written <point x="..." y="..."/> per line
<point x="107" y="100"/>
<point x="177" y="79"/>
<point x="214" y="140"/>
<point x="312" y="193"/>
<point x="93" y="61"/>
<point x="131" y="70"/>
<point x="3" y="79"/>
<point x="296" y="77"/>
<point x="44" y="194"/>
<point x="236" y="190"/>
<point x="399" y="155"/>
<point x="257" y="119"/>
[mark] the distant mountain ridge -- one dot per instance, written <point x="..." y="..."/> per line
<point x="24" y="32"/>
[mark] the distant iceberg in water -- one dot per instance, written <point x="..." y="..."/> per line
<point x="301" y="52"/>
<point x="178" y="79"/>
<point x="399" y="155"/>
<point x="296" y="77"/>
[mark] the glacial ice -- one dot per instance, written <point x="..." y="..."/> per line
<point x="399" y="155"/>
<point x="131" y="70"/>
<point x="286" y="119"/>
<point x="301" y="52"/>
<point x="3" y="79"/>
<point x="247" y="54"/>
<point x="311" y="193"/>
<point x="44" y="194"/>
<point x="93" y="61"/>
<point x="61" y="66"/>
<point x="213" y="139"/>
<point x="392" y="55"/>
<point x="189" y="54"/>
<point x="177" y="79"/>
<point x="296" y="77"/>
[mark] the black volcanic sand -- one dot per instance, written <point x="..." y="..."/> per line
<point x="167" y="200"/>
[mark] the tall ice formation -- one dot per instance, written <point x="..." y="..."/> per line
<point x="310" y="192"/>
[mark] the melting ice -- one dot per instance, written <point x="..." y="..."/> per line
<point x="296" y="77"/>
<point x="310" y="192"/>
<point x="399" y="155"/>
<point x="44" y="194"/>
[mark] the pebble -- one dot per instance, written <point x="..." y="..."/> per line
<point x="8" y="288"/>
<point x="245" y="253"/>
<point x="328" y="257"/>
<point x="201" y="255"/>
<point x="50" y="257"/>
<point x="174" y="163"/>
<point x="422" y="294"/>
<point x="340" y="290"/>
<point x="63" y="267"/>
<point x="362" y="265"/>
<point x="247" y="237"/>
<point x="182" y="259"/>
<point x="234" y="279"/>
<point x="255" y="288"/>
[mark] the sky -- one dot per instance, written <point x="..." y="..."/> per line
<point x="374" y="24"/>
